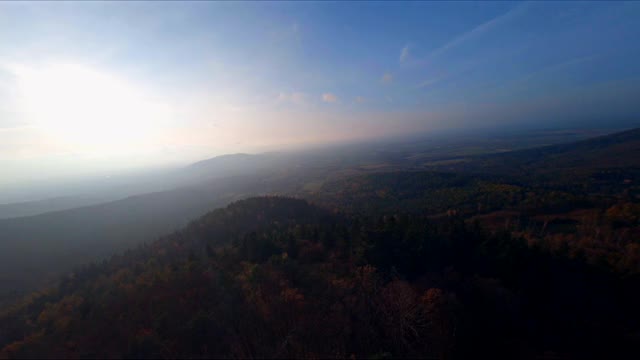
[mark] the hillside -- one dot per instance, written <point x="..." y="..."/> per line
<point x="447" y="264"/>
<point x="618" y="152"/>
<point x="608" y="151"/>
<point x="595" y="172"/>
<point x="585" y="209"/>
<point x="277" y="277"/>
<point x="36" y="249"/>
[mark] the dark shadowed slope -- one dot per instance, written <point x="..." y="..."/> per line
<point x="279" y="278"/>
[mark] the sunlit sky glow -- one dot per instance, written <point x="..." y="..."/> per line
<point x="94" y="86"/>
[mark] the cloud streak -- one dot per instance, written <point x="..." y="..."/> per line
<point x="478" y="30"/>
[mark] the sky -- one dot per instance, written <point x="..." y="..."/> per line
<point x="87" y="87"/>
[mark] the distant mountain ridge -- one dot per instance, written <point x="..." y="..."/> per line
<point x="235" y="164"/>
<point x="221" y="159"/>
<point x="28" y="208"/>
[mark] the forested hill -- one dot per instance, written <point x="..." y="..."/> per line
<point x="527" y="254"/>
<point x="278" y="277"/>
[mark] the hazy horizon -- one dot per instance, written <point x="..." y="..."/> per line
<point x="90" y="88"/>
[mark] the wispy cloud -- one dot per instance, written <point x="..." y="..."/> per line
<point x="329" y="98"/>
<point x="405" y="54"/>
<point x="479" y="30"/>
<point x="387" y="78"/>
<point x="360" y="100"/>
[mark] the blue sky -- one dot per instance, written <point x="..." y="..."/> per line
<point x="218" y="77"/>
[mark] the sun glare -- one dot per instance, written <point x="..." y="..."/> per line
<point x="81" y="106"/>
